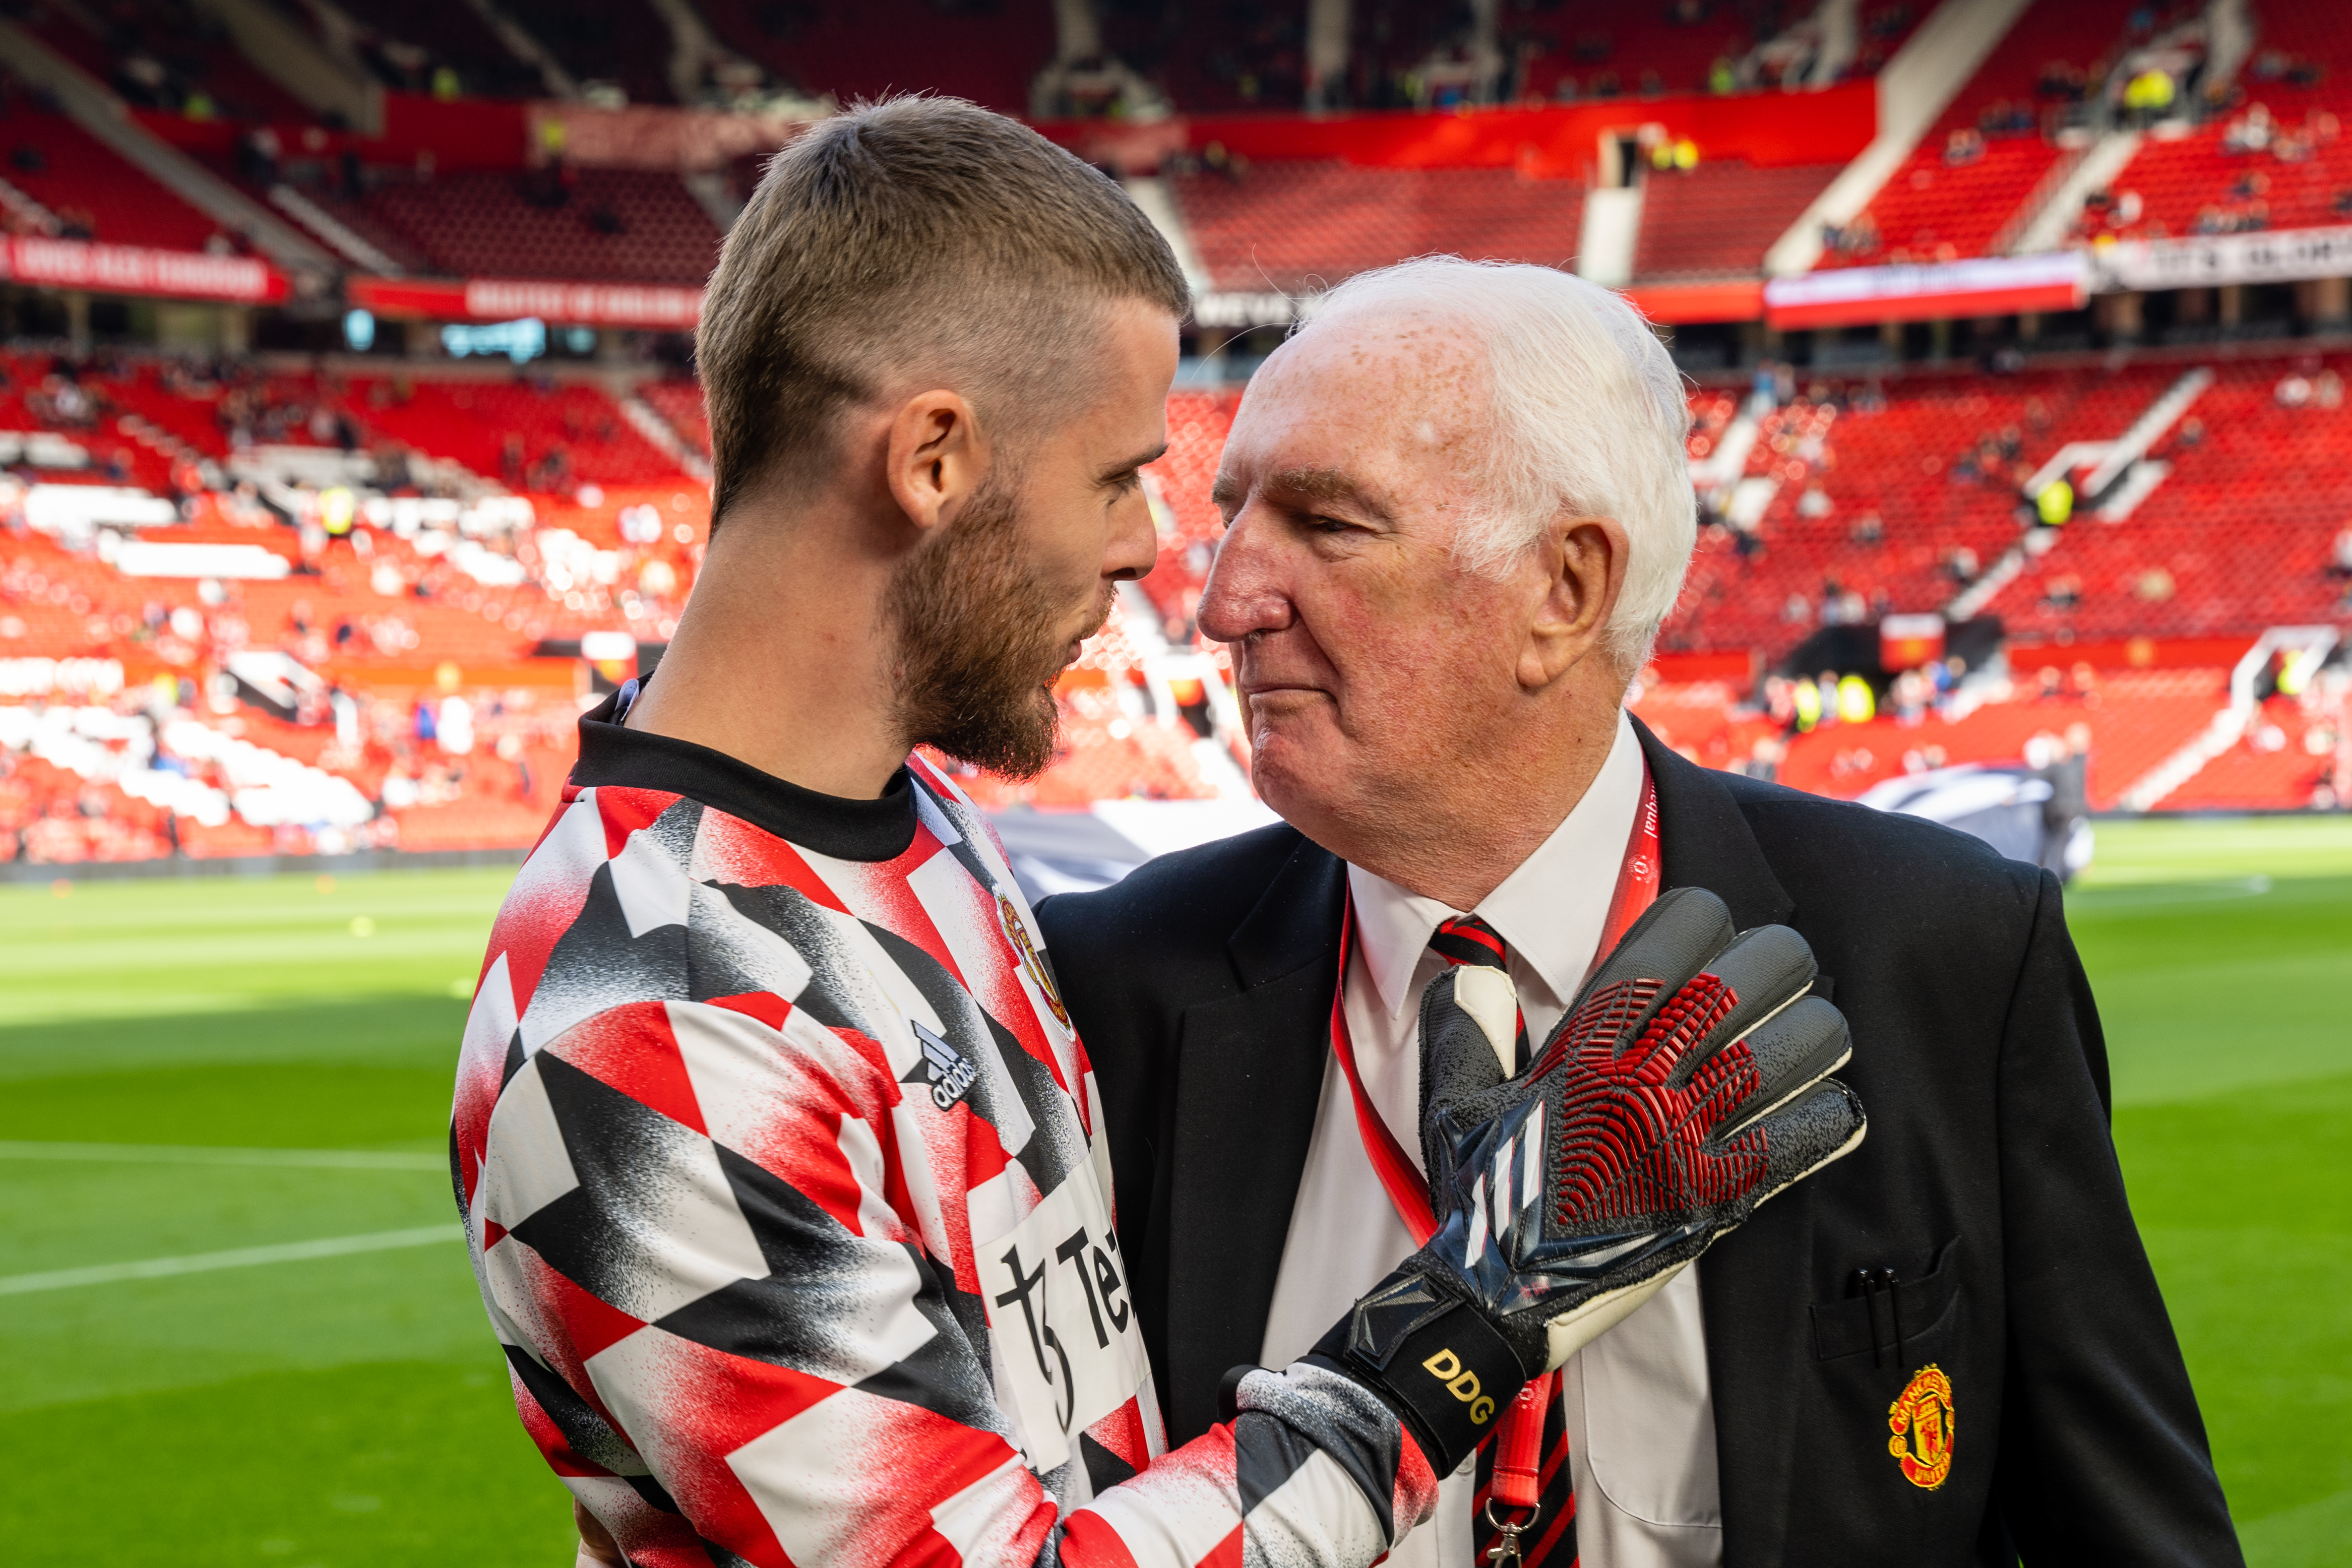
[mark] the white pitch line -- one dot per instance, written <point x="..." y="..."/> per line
<point x="236" y="1258"/>
<point x="199" y="1154"/>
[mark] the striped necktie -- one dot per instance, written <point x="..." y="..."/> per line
<point x="1465" y="940"/>
<point x="1549" y="1540"/>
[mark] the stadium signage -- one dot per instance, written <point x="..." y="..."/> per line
<point x="1244" y="310"/>
<point x="136" y="270"/>
<point x="502" y="299"/>
<point x="2289" y="255"/>
<point x="84" y="678"/>
<point x="1995" y="286"/>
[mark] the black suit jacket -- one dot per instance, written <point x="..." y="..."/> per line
<point x="1203" y="987"/>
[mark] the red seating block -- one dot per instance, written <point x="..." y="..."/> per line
<point x="1297" y="226"/>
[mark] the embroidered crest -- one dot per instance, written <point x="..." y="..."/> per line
<point x="1016" y="931"/>
<point x="1921" y="1420"/>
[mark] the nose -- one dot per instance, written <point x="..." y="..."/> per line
<point x="1246" y="592"/>
<point x="1133" y="547"/>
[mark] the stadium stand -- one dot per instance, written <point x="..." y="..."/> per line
<point x="621" y="43"/>
<point x="165" y="54"/>
<point x="1879" y="499"/>
<point x="1717" y="220"/>
<point x="295" y="604"/>
<point x="680" y="405"/>
<point x="2133" y="721"/>
<point x="627" y="224"/>
<point x="1994" y="144"/>
<point x="432" y="46"/>
<point x="1296" y="227"/>
<point x="2250" y="171"/>
<point x="986" y="53"/>
<point x="2227" y="542"/>
<point x="67" y="185"/>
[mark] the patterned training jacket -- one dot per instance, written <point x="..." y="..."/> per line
<point x="784" y="1181"/>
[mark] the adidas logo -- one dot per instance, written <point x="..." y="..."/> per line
<point x="952" y="1073"/>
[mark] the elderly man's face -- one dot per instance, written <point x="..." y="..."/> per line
<point x="1367" y="658"/>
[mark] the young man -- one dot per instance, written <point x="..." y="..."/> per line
<point x="782" y="1169"/>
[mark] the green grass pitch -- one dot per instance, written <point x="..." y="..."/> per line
<point x="352" y="1410"/>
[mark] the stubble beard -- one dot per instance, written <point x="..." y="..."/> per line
<point x="979" y="645"/>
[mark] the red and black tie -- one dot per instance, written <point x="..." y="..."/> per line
<point x="1549" y="1540"/>
<point x="1465" y="940"/>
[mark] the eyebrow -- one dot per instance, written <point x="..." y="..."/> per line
<point x="1118" y="471"/>
<point x="1326" y="485"/>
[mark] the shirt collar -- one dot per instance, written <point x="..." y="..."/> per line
<point x="1550" y="910"/>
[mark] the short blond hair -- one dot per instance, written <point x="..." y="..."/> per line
<point x="912" y="237"/>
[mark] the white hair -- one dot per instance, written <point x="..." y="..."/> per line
<point x="1590" y="418"/>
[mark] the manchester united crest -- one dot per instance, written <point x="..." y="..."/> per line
<point x="1921" y="1420"/>
<point x="1016" y="932"/>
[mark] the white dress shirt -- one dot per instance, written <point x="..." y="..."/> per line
<point x="1641" y="1417"/>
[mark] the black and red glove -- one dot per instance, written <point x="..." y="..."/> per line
<point x="1686" y="1085"/>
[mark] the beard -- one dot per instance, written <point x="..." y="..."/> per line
<point x="979" y="644"/>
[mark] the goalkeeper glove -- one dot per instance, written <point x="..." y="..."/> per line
<point x="1687" y="1084"/>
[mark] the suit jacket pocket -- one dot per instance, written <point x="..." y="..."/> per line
<point x="1891" y="1325"/>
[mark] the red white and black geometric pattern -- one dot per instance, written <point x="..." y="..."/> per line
<point x="786" y="1192"/>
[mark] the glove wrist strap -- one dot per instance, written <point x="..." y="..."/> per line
<point x="1436" y="1357"/>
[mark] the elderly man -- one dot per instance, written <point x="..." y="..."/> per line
<point x="1457" y="512"/>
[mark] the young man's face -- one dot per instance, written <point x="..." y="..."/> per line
<point x="991" y="615"/>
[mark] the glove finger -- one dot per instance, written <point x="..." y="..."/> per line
<point x="1818" y="1127"/>
<point x="1764" y="970"/>
<point x="1469" y="1028"/>
<point x="1674" y="939"/>
<point x="1795" y="1049"/>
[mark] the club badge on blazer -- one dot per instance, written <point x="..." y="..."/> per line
<point x="1921" y="1420"/>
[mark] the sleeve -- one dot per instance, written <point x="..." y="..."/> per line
<point x="724" y="1267"/>
<point x="2103" y="1452"/>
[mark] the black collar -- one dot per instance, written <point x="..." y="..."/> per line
<point x="1708" y="843"/>
<point x="877" y="829"/>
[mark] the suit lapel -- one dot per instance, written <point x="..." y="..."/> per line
<point x="1249" y="1068"/>
<point x="1752" y="1283"/>
<point x="1706" y="842"/>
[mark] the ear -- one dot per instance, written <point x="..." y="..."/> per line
<point x="1583" y="564"/>
<point x="936" y="458"/>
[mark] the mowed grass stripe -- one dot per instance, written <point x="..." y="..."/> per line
<point x="235" y="1258"/>
<point x="199" y="1154"/>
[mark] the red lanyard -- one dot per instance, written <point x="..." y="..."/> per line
<point x="1407" y="1190"/>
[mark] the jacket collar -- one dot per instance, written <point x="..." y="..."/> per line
<point x="1752" y="1284"/>
<point x="1706" y="840"/>
<point x="1249" y="1068"/>
<point x="1297" y="923"/>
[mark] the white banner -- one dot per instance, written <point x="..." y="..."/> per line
<point x="604" y="304"/>
<point x="66" y="677"/>
<point x="1877" y="285"/>
<point x="1243" y="310"/>
<point x="134" y="269"/>
<point x="2288" y="256"/>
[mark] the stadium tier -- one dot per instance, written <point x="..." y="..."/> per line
<point x="1292" y="227"/>
<point x="1994" y="143"/>
<point x="1717" y="220"/>
<point x="344" y="592"/>
<point x="69" y="184"/>
<point x="624" y="224"/>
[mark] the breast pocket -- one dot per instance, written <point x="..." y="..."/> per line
<point x="1895" y="1370"/>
